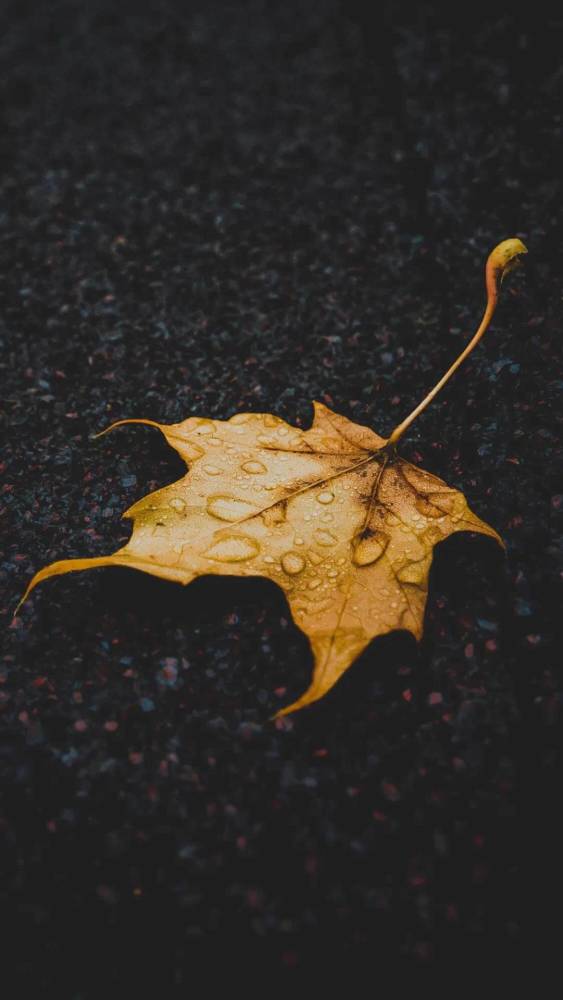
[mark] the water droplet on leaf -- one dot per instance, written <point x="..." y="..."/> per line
<point x="254" y="468"/>
<point x="228" y="508"/>
<point x="293" y="563"/>
<point x="233" y="548"/>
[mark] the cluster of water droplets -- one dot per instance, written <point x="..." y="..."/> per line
<point x="315" y="566"/>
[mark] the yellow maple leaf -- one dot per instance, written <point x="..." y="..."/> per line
<point x="331" y="514"/>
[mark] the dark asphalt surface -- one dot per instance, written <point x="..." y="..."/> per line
<point x="214" y="207"/>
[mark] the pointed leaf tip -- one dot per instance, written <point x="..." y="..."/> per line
<point x="61" y="567"/>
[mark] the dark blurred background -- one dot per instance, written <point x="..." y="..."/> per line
<point x="214" y="206"/>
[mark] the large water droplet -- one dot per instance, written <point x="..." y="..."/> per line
<point x="327" y="496"/>
<point x="293" y="563"/>
<point x="324" y="537"/>
<point x="212" y="470"/>
<point x="177" y="503"/>
<point x="298" y="540"/>
<point x="228" y="509"/>
<point x="314" y="583"/>
<point x="368" y="550"/>
<point x="315" y="558"/>
<point x="254" y="468"/>
<point x="233" y="548"/>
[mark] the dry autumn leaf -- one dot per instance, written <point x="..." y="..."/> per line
<point x="331" y="514"/>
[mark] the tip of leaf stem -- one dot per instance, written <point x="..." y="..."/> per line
<point x="503" y="259"/>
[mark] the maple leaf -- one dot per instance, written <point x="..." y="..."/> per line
<point x="331" y="514"/>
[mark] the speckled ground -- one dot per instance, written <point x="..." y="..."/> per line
<point x="215" y="207"/>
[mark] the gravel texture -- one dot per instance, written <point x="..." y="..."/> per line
<point x="209" y="207"/>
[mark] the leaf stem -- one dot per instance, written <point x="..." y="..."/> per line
<point x="501" y="260"/>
